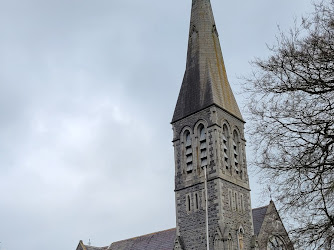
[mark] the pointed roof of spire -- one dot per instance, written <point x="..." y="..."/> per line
<point x="205" y="81"/>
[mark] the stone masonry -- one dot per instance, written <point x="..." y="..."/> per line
<point x="224" y="220"/>
<point x="206" y="101"/>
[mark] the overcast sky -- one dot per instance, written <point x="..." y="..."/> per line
<point x="87" y="93"/>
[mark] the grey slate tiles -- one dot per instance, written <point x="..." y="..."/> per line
<point x="258" y="217"/>
<point x="205" y="81"/>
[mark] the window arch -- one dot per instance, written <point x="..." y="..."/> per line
<point x="188" y="151"/>
<point x="225" y="147"/>
<point x="202" y="145"/>
<point x="236" y="151"/>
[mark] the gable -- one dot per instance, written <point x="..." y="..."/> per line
<point x="82" y="246"/>
<point x="272" y="226"/>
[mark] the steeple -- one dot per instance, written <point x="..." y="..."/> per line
<point x="205" y="81"/>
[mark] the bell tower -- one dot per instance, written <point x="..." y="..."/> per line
<point x="209" y="148"/>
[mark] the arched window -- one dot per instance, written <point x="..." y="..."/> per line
<point x="229" y="242"/>
<point x="236" y="151"/>
<point x="241" y="239"/>
<point x="225" y="147"/>
<point x="236" y="201"/>
<point x="188" y="152"/>
<point x="202" y="146"/>
<point x="203" y="199"/>
<point x="242" y="204"/>
<point x="275" y="243"/>
<point x="196" y="201"/>
<point x="230" y="199"/>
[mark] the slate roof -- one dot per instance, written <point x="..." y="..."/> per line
<point x="205" y="80"/>
<point x="258" y="217"/>
<point x="164" y="240"/>
<point x="95" y="248"/>
<point x="82" y="246"/>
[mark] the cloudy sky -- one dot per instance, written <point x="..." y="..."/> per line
<point x="87" y="92"/>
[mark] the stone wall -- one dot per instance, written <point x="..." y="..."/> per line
<point x="226" y="222"/>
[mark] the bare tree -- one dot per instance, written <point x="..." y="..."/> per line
<point x="292" y="104"/>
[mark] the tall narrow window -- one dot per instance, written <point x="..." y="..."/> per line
<point x="225" y="147"/>
<point x="242" y="205"/>
<point x="203" y="146"/>
<point x="236" y="151"/>
<point x="236" y="201"/>
<point x="188" y="152"/>
<point x="203" y="199"/>
<point x="241" y="239"/>
<point x="230" y="199"/>
<point x="196" y="201"/>
<point x="229" y="242"/>
<point x="188" y="204"/>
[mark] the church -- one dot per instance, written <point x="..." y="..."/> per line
<point x="212" y="193"/>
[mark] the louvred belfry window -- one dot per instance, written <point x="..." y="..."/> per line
<point x="225" y="147"/>
<point x="236" y="151"/>
<point x="203" y="146"/>
<point x="188" y="152"/>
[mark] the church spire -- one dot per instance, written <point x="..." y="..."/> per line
<point x="205" y="81"/>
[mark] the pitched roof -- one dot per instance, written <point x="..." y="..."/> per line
<point x="258" y="217"/>
<point x="82" y="246"/>
<point x="156" y="241"/>
<point x="164" y="240"/>
<point x="205" y="80"/>
<point x="95" y="248"/>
